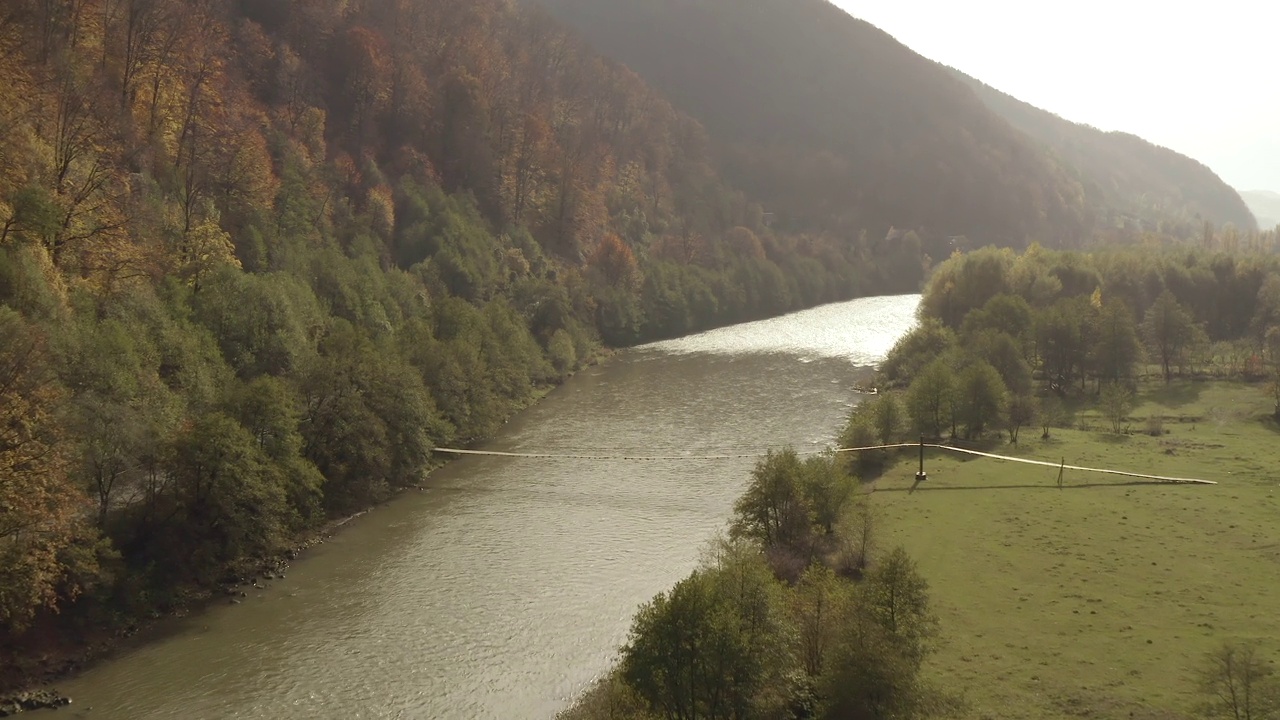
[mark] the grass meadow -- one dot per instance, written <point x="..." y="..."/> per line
<point x="1100" y="599"/>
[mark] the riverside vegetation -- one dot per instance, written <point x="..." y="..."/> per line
<point x="258" y="259"/>
<point x="1099" y="598"/>
<point x="785" y="618"/>
<point x="1106" y="598"/>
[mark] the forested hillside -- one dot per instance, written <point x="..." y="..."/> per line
<point x="258" y="258"/>
<point x="831" y="122"/>
<point x="1137" y="182"/>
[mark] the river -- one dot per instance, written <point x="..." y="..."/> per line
<point x="503" y="588"/>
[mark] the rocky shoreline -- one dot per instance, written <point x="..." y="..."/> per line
<point x="33" y="700"/>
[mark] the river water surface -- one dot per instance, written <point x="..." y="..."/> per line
<point x="507" y="585"/>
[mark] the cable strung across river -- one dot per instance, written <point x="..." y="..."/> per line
<point x="894" y="446"/>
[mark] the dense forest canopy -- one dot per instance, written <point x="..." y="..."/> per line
<point x="829" y="121"/>
<point x="1003" y="334"/>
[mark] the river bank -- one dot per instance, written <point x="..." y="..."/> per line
<point x="507" y="585"/>
<point x="29" y="679"/>
<point x="29" y="673"/>
<point x="51" y="655"/>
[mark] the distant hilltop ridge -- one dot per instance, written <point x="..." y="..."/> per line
<point x="1133" y="178"/>
<point x="830" y="122"/>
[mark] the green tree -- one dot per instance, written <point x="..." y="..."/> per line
<point x="774" y="509"/>
<point x="915" y="350"/>
<point x="1003" y="353"/>
<point x="1062" y="340"/>
<point x="226" y="506"/>
<point x="981" y="397"/>
<point x="965" y="282"/>
<point x="888" y="417"/>
<point x="1170" y="332"/>
<point x="367" y="421"/>
<point x="1005" y="313"/>
<point x="561" y="353"/>
<point x="268" y="408"/>
<point x="711" y="646"/>
<point x="1266" y="312"/>
<point x="860" y="432"/>
<point x="817" y="605"/>
<point x="828" y="489"/>
<point x="874" y="670"/>
<point x="264" y="324"/>
<point x="110" y="434"/>
<point x="929" y="396"/>
<point x="666" y="656"/>
<point x="896" y="596"/>
<point x="856" y="532"/>
<point x="1114" y="350"/>
<point x="1031" y="279"/>
<point x="35" y="213"/>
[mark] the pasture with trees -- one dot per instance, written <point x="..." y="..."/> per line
<point x="1155" y="599"/>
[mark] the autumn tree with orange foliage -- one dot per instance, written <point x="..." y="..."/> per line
<point x="615" y="263"/>
<point x="41" y="512"/>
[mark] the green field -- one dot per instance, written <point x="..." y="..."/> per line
<point x="1099" y="599"/>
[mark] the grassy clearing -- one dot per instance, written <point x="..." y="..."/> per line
<point x="1100" y="599"/>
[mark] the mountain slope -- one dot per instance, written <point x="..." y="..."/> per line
<point x="1134" y="178"/>
<point x="1265" y="205"/>
<point x="258" y="258"/>
<point x="829" y="120"/>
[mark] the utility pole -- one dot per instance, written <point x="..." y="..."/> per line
<point x="921" y="476"/>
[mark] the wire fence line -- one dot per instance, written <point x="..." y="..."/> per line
<point x="633" y="457"/>
<point x="577" y="456"/>
<point x="1064" y="466"/>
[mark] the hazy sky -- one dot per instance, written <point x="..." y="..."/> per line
<point x="1200" y="77"/>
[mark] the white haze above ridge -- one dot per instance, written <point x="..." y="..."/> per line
<point x="1199" y="78"/>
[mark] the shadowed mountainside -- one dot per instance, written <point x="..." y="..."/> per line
<point x="1134" y="179"/>
<point x="830" y="121"/>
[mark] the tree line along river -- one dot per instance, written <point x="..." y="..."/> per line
<point x="508" y="584"/>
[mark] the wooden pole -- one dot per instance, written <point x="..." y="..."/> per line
<point x="920" y="476"/>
